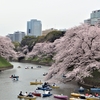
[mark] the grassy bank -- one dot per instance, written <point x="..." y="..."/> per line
<point x="4" y="64"/>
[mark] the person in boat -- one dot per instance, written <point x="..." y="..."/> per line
<point x="45" y="84"/>
<point x="21" y="94"/>
<point x="25" y="94"/>
<point x="35" y="91"/>
<point x="81" y="88"/>
<point x="11" y="76"/>
<point x="90" y="95"/>
<point x="96" y="94"/>
<point x="31" y="67"/>
<point x="54" y="84"/>
<point x="30" y="94"/>
<point x="86" y="94"/>
<point x="47" y="92"/>
<point x="36" y="80"/>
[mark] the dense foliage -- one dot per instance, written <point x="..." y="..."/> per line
<point x="4" y="63"/>
<point x="30" y="41"/>
<point x="16" y="44"/>
<point x="52" y="36"/>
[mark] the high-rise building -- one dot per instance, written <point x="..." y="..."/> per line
<point x="94" y="18"/>
<point x="34" y="28"/>
<point x="16" y="36"/>
<point x="10" y="36"/>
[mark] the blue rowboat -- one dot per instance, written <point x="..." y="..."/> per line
<point x="41" y="88"/>
<point x="95" y="89"/>
<point x="46" y="95"/>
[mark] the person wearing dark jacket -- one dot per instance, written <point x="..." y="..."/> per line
<point x="21" y="94"/>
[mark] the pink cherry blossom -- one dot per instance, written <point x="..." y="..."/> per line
<point x="7" y="48"/>
<point x="76" y="54"/>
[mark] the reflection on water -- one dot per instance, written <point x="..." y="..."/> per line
<point x="9" y="89"/>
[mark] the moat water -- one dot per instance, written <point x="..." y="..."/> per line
<point x="9" y="89"/>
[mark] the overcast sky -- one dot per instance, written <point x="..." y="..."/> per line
<point x="59" y="14"/>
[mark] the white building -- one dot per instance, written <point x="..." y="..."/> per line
<point x="94" y="17"/>
<point x="34" y="28"/>
<point x="16" y="36"/>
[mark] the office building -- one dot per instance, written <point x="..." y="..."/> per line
<point x="16" y="36"/>
<point x="10" y="36"/>
<point x="34" y="28"/>
<point x="94" y="18"/>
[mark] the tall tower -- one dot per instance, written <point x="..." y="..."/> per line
<point x="34" y="28"/>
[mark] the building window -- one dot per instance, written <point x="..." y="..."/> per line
<point x="29" y="31"/>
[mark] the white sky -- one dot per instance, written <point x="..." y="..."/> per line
<point x="59" y="14"/>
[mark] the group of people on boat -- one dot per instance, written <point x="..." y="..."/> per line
<point x="54" y="84"/>
<point x="14" y="77"/>
<point x="87" y="94"/>
<point x="46" y="84"/>
<point x="92" y="95"/>
<point x="26" y="94"/>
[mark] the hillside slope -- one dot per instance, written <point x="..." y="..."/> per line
<point x="4" y="64"/>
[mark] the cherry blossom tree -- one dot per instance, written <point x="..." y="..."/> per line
<point x="76" y="54"/>
<point x="41" y="49"/>
<point x="7" y="48"/>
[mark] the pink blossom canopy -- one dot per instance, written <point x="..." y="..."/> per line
<point x="7" y="48"/>
<point x="76" y="54"/>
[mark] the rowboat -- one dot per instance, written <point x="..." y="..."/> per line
<point x="26" y="67"/>
<point x="36" y="83"/>
<point x="95" y="89"/>
<point x="76" y="99"/>
<point x="36" y="94"/>
<point x="45" y="88"/>
<point x="92" y="98"/>
<point x="54" y="87"/>
<point x="76" y="94"/>
<point x="47" y="95"/>
<point x="60" y="96"/>
<point x="19" y="66"/>
<point x="44" y="74"/>
<point x="79" y="98"/>
<point x="25" y="97"/>
<point x="13" y="76"/>
<point x="38" y="66"/>
<point x="87" y="98"/>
